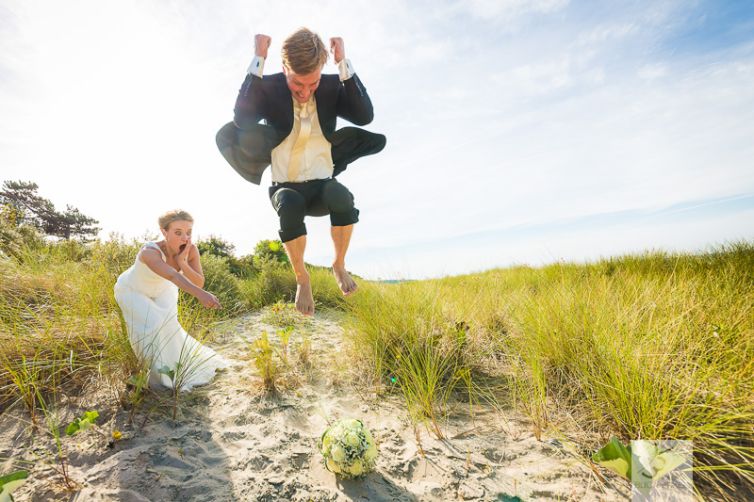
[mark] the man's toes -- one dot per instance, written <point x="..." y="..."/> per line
<point x="343" y="287"/>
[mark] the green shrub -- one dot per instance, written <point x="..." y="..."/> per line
<point x="275" y="282"/>
<point x="115" y="255"/>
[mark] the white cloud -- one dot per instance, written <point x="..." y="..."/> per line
<point x="605" y="33"/>
<point x="533" y="79"/>
<point x="652" y="71"/>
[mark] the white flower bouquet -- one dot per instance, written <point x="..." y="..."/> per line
<point x="348" y="448"/>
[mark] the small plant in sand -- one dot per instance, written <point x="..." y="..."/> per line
<point x="79" y="424"/>
<point x="172" y="374"/>
<point x="272" y="361"/>
<point x="263" y="354"/>
<point x="10" y="482"/>
<point x="82" y="423"/>
<point x="348" y="448"/>
<point x="53" y="425"/>
<point x="135" y="388"/>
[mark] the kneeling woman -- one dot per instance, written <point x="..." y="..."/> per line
<point x="147" y="294"/>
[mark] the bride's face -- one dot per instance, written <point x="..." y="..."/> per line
<point x="177" y="234"/>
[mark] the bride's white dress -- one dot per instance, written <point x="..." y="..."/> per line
<point x="150" y="308"/>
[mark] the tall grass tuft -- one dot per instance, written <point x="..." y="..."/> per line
<point x="262" y="352"/>
<point x="412" y="344"/>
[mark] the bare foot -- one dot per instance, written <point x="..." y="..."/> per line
<point x="345" y="282"/>
<point x="304" y="298"/>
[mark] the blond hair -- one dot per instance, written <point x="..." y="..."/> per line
<point x="304" y="52"/>
<point x="175" y="215"/>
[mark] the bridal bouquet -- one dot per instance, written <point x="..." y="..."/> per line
<point x="348" y="448"/>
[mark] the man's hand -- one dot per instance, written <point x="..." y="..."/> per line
<point x="337" y="49"/>
<point x="261" y="44"/>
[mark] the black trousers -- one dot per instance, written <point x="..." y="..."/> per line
<point x="294" y="201"/>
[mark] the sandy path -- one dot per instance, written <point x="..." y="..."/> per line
<point x="232" y="443"/>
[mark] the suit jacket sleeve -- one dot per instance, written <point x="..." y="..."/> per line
<point x="353" y="102"/>
<point x="251" y="104"/>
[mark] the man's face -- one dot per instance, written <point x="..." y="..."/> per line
<point x="302" y="86"/>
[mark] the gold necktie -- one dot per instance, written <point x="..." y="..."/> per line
<point x="297" y="153"/>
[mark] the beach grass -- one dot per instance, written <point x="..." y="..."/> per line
<point x="652" y="346"/>
<point x="60" y="327"/>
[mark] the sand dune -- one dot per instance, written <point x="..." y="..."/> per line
<point x="231" y="442"/>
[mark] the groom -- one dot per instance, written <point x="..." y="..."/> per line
<point x="300" y="107"/>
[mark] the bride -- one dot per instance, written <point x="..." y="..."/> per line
<point x="147" y="294"/>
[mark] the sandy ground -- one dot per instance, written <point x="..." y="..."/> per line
<point x="233" y="442"/>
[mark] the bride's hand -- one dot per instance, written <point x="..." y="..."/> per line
<point x="182" y="257"/>
<point x="209" y="300"/>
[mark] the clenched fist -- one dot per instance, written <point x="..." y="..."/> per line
<point x="261" y="44"/>
<point x="337" y="49"/>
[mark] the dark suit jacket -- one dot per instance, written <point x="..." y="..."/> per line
<point x="247" y="145"/>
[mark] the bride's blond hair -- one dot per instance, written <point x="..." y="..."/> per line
<point x="175" y="215"/>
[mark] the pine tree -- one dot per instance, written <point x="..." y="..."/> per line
<point x="25" y="207"/>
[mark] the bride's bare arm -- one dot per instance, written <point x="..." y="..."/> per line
<point x="191" y="266"/>
<point x="152" y="258"/>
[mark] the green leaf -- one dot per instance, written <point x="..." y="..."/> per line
<point x="83" y="423"/>
<point x="90" y="416"/>
<point x="10" y="482"/>
<point x="616" y="457"/>
<point x="165" y="370"/>
<point x="73" y="427"/>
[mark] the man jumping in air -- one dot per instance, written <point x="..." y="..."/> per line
<point x="300" y="107"/>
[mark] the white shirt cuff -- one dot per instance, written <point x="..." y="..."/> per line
<point x="256" y="67"/>
<point x="345" y="68"/>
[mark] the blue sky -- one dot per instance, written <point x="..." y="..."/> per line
<point x="518" y="131"/>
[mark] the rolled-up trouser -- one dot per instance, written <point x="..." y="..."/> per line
<point x="294" y="201"/>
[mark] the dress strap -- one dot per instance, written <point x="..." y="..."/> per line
<point x="154" y="245"/>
